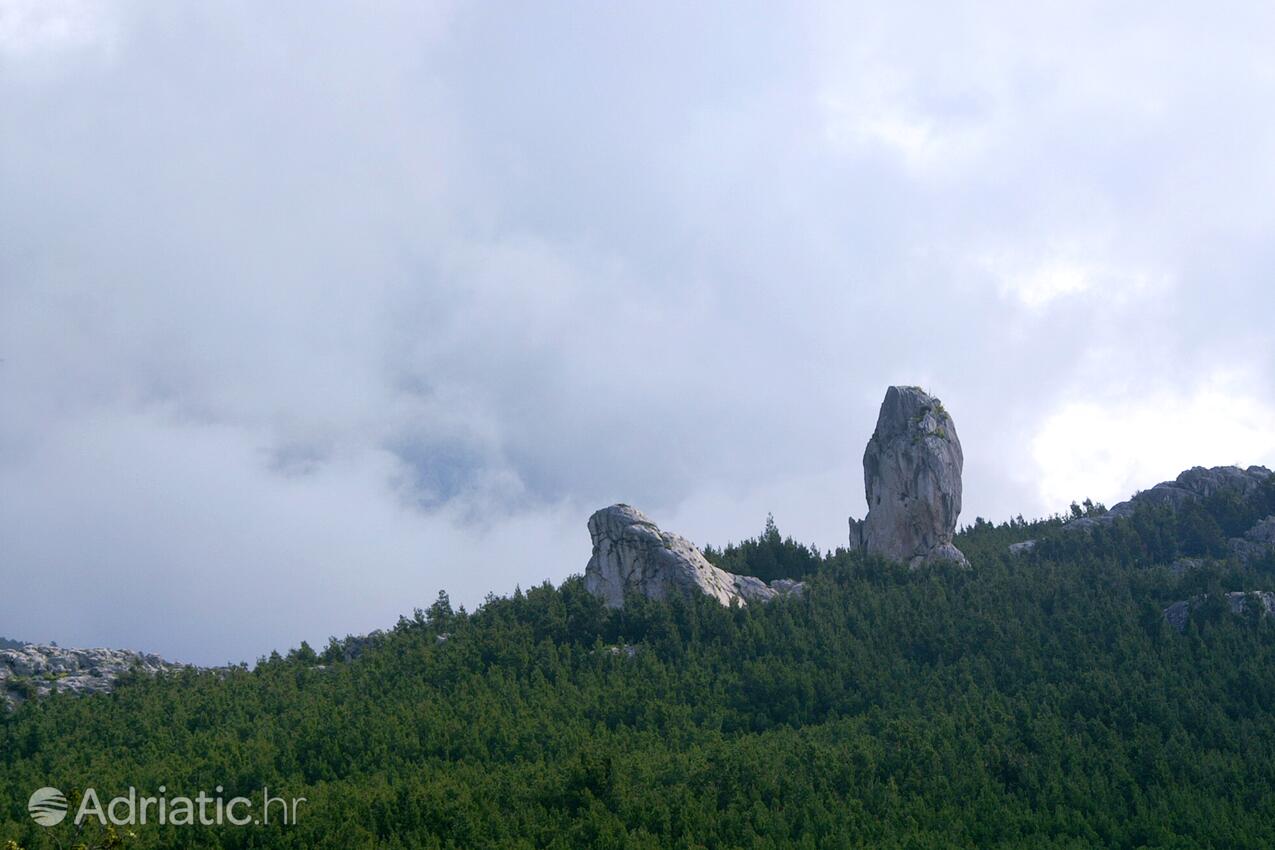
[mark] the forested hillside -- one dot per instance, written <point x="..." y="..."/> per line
<point x="1037" y="701"/>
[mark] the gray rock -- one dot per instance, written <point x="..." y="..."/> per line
<point x="38" y="670"/>
<point x="1237" y="601"/>
<point x="912" y="478"/>
<point x="1023" y="548"/>
<point x="1203" y="482"/>
<point x="785" y="586"/>
<point x="1178" y="613"/>
<point x="632" y="555"/>
<point x="1185" y="565"/>
<point x="1263" y="533"/>
<point x="1245" y="550"/>
<point x="354" y="646"/>
<point x="1192" y="485"/>
<point x="1257" y="542"/>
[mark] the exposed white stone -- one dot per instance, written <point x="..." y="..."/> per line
<point x="632" y="555"/>
<point x="912" y="478"/>
<point x="1190" y="486"/>
<point x="40" y="669"/>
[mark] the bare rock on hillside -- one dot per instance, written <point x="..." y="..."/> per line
<point x="912" y="478"/>
<point x="632" y="555"/>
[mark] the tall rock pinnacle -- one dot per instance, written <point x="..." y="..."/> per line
<point x="912" y="477"/>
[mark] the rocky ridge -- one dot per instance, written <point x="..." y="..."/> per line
<point x="37" y="670"/>
<point x="1192" y="485"/>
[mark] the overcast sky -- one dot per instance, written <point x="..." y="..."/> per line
<point x="307" y="312"/>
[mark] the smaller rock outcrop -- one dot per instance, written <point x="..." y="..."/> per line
<point x="1263" y="533"/>
<point x="1192" y="485"/>
<point x="632" y="555"/>
<point x="354" y="646"/>
<point x="1237" y="601"/>
<point x="1183" y="565"/>
<point x="36" y="670"/>
<point x="912" y="479"/>
<point x="1257" y="542"/>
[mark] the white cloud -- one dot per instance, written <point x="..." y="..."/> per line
<point x="420" y="288"/>
<point x="30" y="28"/>
<point x="1106" y="449"/>
<point x="1054" y="279"/>
<point x="1037" y="281"/>
<point x="937" y="143"/>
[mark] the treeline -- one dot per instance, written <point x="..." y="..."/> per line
<point x="768" y="556"/>
<point x="1027" y="702"/>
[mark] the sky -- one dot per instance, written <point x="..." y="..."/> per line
<point x="309" y="310"/>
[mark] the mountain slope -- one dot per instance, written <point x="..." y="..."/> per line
<point x="1028" y="702"/>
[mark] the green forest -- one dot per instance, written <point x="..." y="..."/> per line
<point x="1031" y="701"/>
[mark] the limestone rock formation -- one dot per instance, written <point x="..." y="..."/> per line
<point x="36" y="670"/>
<point x="1237" y="601"/>
<point x="912" y="477"/>
<point x="632" y="554"/>
<point x="1257" y="542"/>
<point x="1262" y="533"/>
<point x="1193" y="485"/>
<point x="1184" y="565"/>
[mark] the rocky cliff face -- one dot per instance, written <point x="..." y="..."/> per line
<point x="1257" y="542"/>
<point x="632" y="554"/>
<point x="36" y="670"/>
<point x="1193" y="485"/>
<point x="912" y="477"/>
